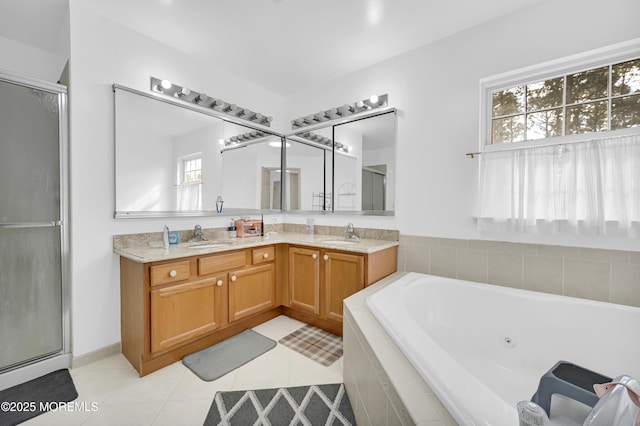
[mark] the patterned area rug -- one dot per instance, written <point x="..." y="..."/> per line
<point x="314" y="343"/>
<point x="303" y="405"/>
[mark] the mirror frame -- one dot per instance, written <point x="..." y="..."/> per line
<point x="207" y="111"/>
<point x="330" y="124"/>
<point x="227" y="212"/>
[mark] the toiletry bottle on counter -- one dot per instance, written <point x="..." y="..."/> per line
<point x="165" y="237"/>
<point x="173" y="237"/>
<point x="310" y="226"/>
<point x="233" y="233"/>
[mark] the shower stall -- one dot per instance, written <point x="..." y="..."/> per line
<point x="34" y="291"/>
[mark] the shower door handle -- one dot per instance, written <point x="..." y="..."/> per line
<point x="30" y="224"/>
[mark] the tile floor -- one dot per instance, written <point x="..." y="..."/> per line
<point x="176" y="396"/>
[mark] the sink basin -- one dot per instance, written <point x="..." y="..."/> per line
<point x="210" y="245"/>
<point x="341" y="242"/>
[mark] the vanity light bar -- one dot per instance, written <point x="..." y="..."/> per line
<point x="314" y="137"/>
<point x="244" y="137"/>
<point x="167" y="88"/>
<point x="373" y="102"/>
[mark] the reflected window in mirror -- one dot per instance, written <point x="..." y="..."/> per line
<point x="189" y="185"/>
<point x="152" y="140"/>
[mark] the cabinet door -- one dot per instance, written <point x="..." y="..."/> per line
<point x="182" y="312"/>
<point x="304" y="279"/>
<point x="343" y="276"/>
<point x="251" y="290"/>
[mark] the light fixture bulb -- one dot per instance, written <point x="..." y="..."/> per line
<point x="360" y="104"/>
<point x="374" y="99"/>
<point x="221" y="141"/>
<point x="349" y="148"/>
<point x="165" y="84"/>
<point x="185" y="91"/>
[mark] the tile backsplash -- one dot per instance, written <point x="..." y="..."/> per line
<point x="596" y="274"/>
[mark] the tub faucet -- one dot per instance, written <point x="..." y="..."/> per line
<point x="349" y="233"/>
<point x="197" y="235"/>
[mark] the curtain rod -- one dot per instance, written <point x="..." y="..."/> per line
<point x="625" y="134"/>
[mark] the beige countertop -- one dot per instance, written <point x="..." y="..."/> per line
<point x="155" y="252"/>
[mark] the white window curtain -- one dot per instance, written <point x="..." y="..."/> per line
<point x="590" y="187"/>
<point x="189" y="196"/>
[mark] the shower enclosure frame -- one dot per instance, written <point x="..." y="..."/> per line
<point x="39" y="366"/>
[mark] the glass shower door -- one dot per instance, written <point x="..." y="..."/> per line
<point x="31" y="237"/>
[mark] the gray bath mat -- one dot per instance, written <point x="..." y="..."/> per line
<point x="30" y="399"/>
<point x="302" y="405"/>
<point x="219" y="359"/>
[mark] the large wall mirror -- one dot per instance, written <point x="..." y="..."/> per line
<point x="174" y="160"/>
<point x="356" y="159"/>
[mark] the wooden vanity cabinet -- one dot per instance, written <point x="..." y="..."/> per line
<point x="304" y="279"/>
<point x="343" y="276"/>
<point x="253" y="289"/>
<point x="172" y="308"/>
<point x="320" y="279"/>
<point x="182" y="312"/>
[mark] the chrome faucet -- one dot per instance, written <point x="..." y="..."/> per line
<point x="349" y="233"/>
<point x="197" y="235"/>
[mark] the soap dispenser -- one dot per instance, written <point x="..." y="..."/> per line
<point x="165" y="237"/>
<point x="233" y="233"/>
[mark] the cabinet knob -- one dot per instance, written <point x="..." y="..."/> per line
<point x="315" y="256"/>
<point x="173" y="273"/>
<point x="219" y="283"/>
<point x="266" y="255"/>
<point x="233" y="278"/>
<point x="326" y="257"/>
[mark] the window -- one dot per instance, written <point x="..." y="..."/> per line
<point x="189" y="188"/>
<point x="192" y="170"/>
<point x="594" y="100"/>
<point x="560" y="146"/>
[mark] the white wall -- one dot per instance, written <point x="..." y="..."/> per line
<point x="435" y="181"/>
<point x="436" y="90"/>
<point x="104" y="53"/>
<point x="29" y="61"/>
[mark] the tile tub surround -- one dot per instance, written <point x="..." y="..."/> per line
<point x="597" y="274"/>
<point x="383" y="387"/>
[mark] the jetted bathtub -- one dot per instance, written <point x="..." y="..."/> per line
<point x="482" y="348"/>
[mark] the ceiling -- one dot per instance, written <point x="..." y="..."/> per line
<point x="283" y="45"/>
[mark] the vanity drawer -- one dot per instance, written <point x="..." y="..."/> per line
<point x="170" y="272"/>
<point x="263" y="254"/>
<point x="221" y="262"/>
